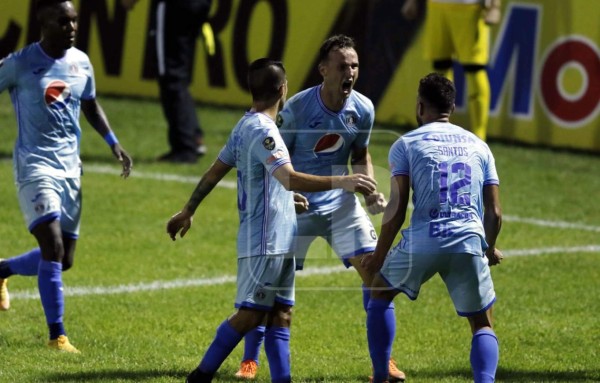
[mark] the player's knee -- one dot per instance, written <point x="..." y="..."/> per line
<point x="282" y="316"/>
<point x="442" y="65"/>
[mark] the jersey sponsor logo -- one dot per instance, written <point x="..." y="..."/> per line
<point x="269" y="143"/>
<point x="57" y="94"/>
<point x="329" y="144"/>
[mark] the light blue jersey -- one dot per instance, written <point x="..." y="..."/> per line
<point x="321" y="141"/>
<point x="46" y="94"/>
<point x="448" y="167"/>
<point x="266" y="208"/>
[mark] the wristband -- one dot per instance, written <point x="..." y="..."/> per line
<point x="111" y="139"/>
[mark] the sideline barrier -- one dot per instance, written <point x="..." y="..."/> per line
<point x="544" y="69"/>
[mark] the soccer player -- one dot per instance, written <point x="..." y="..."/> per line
<point x="266" y="266"/>
<point x="452" y="232"/>
<point x="324" y="128"/>
<point x="49" y="82"/>
<point x="459" y="29"/>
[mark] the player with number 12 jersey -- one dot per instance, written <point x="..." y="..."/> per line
<point x="453" y="165"/>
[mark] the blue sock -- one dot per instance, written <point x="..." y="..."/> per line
<point x="277" y="347"/>
<point x="381" y="329"/>
<point x="366" y="297"/>
<point x="51" y="293"/>
<point x="484" y="356"/>
<point x="26" y="263"/>
<point x="252" y="341"/>
<point x="225" y="341"/>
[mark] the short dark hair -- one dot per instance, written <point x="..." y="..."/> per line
<point x="333" y="43"/>
<point x="265" y="77"/>
<point x="437" y="91"/>
<point x="41" y="4"/>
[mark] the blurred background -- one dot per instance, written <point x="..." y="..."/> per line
<point x="544" y="68"/>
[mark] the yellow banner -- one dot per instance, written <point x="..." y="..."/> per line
<point x="544" y="68"/>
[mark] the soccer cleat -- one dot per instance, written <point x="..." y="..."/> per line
<point x="395" y="375"/>
<point x="198" y="376"/>
<point x="248" y="370"/>
<point x="62" y="344"/>
<point x="4" y="297"/>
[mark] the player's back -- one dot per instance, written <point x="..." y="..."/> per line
<point x="321" y="141"/>
<point x="266" y="208"/>
<point x="448" y="167"/>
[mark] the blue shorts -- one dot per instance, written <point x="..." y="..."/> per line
<point x="264" y="280"/>
<point x="47" y="199"/>
<point x="348" y="230"/>
<point x="467" y="277"/>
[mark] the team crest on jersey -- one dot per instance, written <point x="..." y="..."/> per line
<point x="351" y="120"/>
<point x="269" y="143"/>
<point x="328" y="144"/>
<point x="57" y="94"/>
<point x="279" y="120"/>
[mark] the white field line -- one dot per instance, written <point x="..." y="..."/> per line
<point x="103" y="169"/>
<point x="181" y="283"/>
<point x="165" y="285"/>
<point x="308" y="272"/>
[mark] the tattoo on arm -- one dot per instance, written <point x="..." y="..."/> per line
<point x="203" y="188"/>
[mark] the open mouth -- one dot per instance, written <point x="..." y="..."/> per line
<point x="347" y="86"/>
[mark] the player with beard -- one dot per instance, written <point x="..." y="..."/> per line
<point x="327" y="129"/>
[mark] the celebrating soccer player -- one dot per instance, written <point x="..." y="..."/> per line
<point x="266" y="265"/>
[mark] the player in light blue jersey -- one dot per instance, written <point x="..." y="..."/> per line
<point x="327" y="129"/>
<point x="49" y="83"/>
<point x="452" y="232"/>
<point x="265" y="243"/>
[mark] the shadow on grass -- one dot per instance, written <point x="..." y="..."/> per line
<point x="503" y="375"/>
<point x="128" y="375"/>
<point x="112" y="375"/>
<point x="513" y="375"/>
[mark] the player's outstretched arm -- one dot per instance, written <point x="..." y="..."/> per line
<point x="492" y="222"/>
<point x="393" y="219"/>
<point x="182" y="221"/>
<point x="97" y="118"/>
<point x="293" y="180"/>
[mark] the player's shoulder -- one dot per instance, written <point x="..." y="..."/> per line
<point x="253" y="121"/>
<point x="361" y="100"/>
<point x="302" y="98"/>
<point x="75" y="54"/>
<point x="23" y="53"/>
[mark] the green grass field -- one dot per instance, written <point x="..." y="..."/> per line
<point x="143" y="309"/>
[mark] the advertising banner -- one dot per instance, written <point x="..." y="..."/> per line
<point x="544" y="68"/>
